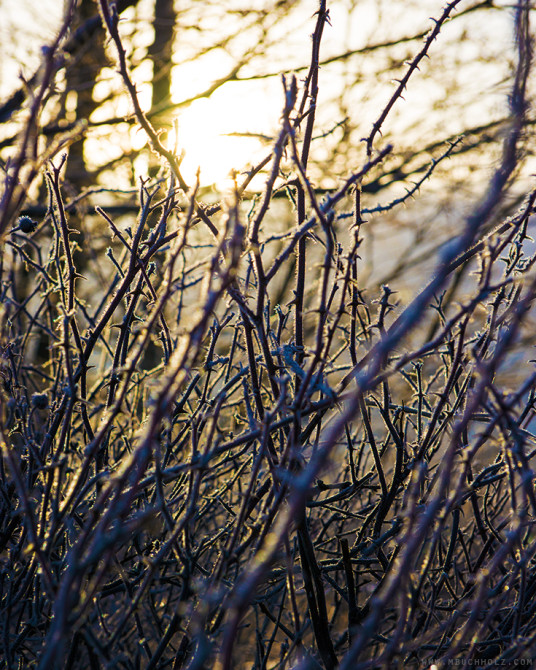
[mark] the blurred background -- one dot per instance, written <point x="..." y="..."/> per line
<point x="209" y="78"/>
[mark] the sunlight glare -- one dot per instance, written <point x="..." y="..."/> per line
<point x="223" y="133"/>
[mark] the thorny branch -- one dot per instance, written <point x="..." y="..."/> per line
<point x="197" y="474"/>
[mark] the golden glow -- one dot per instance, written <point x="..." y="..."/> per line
<point x="206" y="136"/>
<point x="229" y="131"/>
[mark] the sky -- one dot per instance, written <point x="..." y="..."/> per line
<point x="25" y="27"/>
<point x="206" y="128"/>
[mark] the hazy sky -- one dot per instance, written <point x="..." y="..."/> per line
<point x="25" y="26"/>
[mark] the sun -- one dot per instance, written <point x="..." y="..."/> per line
<point x="230" y="131"/>
<point x="206" y="141"/>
